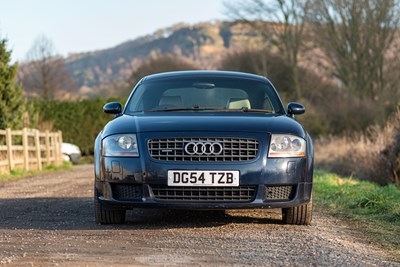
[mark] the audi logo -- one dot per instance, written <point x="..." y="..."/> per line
<point x="200" y="148"/>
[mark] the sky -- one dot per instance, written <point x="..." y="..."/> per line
<point x="88" y="25"/>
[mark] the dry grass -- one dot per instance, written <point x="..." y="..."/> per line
<point x="373" y="156"/>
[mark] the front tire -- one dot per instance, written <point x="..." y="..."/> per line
<point x="300" y="215"/>
<point x="106" y="215"/>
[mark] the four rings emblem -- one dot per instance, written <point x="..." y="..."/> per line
<point x="206" y="148"/>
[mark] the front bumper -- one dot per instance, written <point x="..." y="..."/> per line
<point x="264" y="183"/>
<point x="302" y="196"/>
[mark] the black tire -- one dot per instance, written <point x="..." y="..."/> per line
<point x="300" y="215"/>
<point x="107" y="215"/>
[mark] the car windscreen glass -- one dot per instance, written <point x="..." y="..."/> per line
<point x="204" y="94"/>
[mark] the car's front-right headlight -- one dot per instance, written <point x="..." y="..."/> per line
<point x="120" y="145"/>
<point x="286" y="146"/>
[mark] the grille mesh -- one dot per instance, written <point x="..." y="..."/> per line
<point x="126" y="192"/>
<point x="205" y="194"/>
<point x="283" y="192"/>
<point x="173" y="149"/>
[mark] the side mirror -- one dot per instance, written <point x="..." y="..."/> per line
<point x="112" y="108"/>
<point x="295" y="109"/>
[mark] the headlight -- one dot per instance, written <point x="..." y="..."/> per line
<point x="286" y="146"/>
<point x="120" y="145"/>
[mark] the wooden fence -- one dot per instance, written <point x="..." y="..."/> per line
<point x="29" y="149"/>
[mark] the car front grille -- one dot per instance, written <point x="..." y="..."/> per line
<point x="204" y="194"/>
<point x="282" y="192"/>
<point x="126" y="192"/>
<point x="224" y="150"/>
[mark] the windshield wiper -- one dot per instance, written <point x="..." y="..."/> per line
<point x="193" y="108"/>
<point x="246" y="109"/>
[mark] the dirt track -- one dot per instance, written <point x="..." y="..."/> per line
<point x="48" y="220"/>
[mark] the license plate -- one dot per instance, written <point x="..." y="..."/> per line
<point x="203" y="178"/>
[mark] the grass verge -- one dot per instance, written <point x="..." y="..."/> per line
<point x="19" y="173"/>
<point x="375" y="209"/>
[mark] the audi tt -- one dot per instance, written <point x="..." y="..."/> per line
<point x="210" y="140"/>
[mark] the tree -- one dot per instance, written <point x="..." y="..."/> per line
<point x="45" y="72"/>
<point x="355" y="36"/>
<point x="159" y="64"/>
<point x="12" y="102"/>
<point x="250" y="61"/>
<point x="281" y="23"/>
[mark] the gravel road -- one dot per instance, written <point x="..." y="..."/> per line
<point x="48" y="220"/>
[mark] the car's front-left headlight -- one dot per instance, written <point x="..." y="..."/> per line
<point x="120" y="145"/>
<point x="286" y="146"/>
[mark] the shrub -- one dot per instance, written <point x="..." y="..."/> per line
<point x="374" y="156"/>
<point x="80" y="121"/>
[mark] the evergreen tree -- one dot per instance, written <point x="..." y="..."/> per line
<point x="12" y="102"/>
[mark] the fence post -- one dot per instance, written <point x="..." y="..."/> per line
<point x="55" y="147"/>
<point x="9" y="149"/>
<point x="26" y="151"/>
<point x="47" y="143"/>
<point x="54" y="144"/>
<point x="38" y="151"/>
<point x="59" y="145"/>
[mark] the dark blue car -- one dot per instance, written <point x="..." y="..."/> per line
<point x="203" y="140"/>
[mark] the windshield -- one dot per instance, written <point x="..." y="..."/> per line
<point x="204" y="94"/>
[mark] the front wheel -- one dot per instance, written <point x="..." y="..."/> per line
<point x="300" y="215"/>
<point x="106" y="215"/>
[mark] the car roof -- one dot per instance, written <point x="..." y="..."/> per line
<point x="203" y="73"/>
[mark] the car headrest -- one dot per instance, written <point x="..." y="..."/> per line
<point x="238" y="103"/>
<point x="171" y="101"/>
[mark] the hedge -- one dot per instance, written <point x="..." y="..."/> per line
<point x="80" y="121"/>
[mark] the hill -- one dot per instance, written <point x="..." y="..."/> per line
<point x="103" y="71"/>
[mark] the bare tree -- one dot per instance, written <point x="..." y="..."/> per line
<point x="45" y="72"/>
<point x="355" y="35"/>
<point x="281" y="23"/>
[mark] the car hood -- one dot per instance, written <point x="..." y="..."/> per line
<point x="197" y="122"/>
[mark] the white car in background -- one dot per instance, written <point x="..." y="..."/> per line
<point x="71" y="152"/>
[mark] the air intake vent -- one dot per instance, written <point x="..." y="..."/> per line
<point x="126" y="192"/>
<point x="205" y="194"/>
<point x="283" y="192"/>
